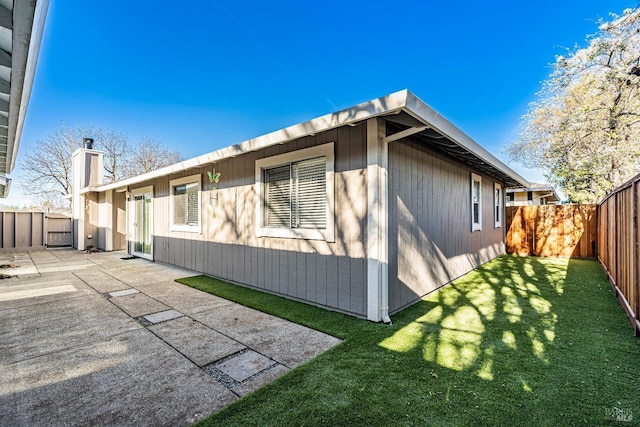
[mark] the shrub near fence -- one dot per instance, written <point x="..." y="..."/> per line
<point x="618" y="240"/>
<point x="552" y="230"/>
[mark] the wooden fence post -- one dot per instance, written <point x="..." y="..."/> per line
<point x="636" y="237"/>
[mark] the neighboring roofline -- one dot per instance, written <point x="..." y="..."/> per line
<point x="398" y="101"/>
<point x="518" y="190"/>
<point x="536" y="189"/>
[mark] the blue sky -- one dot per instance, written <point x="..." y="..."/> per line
<point x="205" y="74"/>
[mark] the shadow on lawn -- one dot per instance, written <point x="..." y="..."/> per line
<point x="503" y="308"/>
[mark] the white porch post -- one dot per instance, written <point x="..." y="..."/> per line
<point x="106" y="219"/>
<point x="377" y="222"/>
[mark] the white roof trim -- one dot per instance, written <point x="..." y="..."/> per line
<point x="28" y="27"/>
<point x="398" y="101"/>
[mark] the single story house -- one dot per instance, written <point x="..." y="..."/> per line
<point x="363" y="211"/>
<point x="535" y="195"/>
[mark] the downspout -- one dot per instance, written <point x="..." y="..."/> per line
<point x="384" y="229"/>
<point x="377" y="223"/>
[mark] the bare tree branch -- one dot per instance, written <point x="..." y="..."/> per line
<point x="150" y="155"/>
<point x="45" y="170"/>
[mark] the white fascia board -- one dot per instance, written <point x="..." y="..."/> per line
<point x="24" y="68"/>
<point x="421" y="111"/>
<point x="402" y="100"/>
<point x="358" y="113"/>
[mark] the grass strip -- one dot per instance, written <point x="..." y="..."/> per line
<point x="518" y="341"/>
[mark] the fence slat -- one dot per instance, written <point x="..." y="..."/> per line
<point x="26" y="230"/>
<point x="552" y="230"/>
<point x="618" y="246"/>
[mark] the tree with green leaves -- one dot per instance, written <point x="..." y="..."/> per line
<point x="584" y="128"/>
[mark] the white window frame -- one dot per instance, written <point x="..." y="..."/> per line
<point x="498" y="209"/>
<point x="180" y="181"/>
<point x="476" y="226"/>
<point x="327" y="233"/>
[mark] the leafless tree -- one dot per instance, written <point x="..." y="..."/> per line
<point x="45" y="170"/>
<point x="150" y="155"/>
<point x="116" y="148"/>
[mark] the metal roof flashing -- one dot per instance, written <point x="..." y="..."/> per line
<point x="396" y="102"/>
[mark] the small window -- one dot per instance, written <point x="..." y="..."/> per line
<point x="296" y="194"/>
<point x="185" y="204"/>
<point x="476" y="202"/>
<point x="497" y="202"/>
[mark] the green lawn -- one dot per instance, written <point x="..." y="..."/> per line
<point x="519" y="341"/>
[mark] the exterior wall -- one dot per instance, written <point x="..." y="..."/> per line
<point x="92" y="236"/>
<point x="329" y="274"/>
<point x="430" y="238"/>
<point x="119" y="218"/>
<point x="103" y="229"/>
<point x="111" y="223"/>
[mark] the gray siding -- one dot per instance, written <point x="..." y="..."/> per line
<point x="430" y="238"/>
<point x="330" y="274"/>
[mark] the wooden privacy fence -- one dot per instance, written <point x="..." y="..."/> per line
<point x="618" y="240"/>
<point x="552" y="230"/>
<point x="34" y="230"/>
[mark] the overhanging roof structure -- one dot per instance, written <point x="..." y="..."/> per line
<point x="21" y="26"/>
<point x="407" y="116"/>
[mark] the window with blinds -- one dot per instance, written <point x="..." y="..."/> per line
<point x="296" y="195"/>
<point x="476" y="202"/>
<point x="497" y="202"/>
<point x="185" y="204"/>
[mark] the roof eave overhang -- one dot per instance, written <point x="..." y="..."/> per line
<point x="394" y="103"/>
<point x="28" y="26"/>
<point x="431" y="118"/>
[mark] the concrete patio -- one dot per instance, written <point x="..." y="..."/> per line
<point x="96" y="339"/>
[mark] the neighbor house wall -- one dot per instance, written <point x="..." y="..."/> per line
<point x="521" y="198"/>
<point x="329" y="274"/>
<point x="430" y="237"/>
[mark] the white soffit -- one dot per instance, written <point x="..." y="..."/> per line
<point x="21" y="27"/>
